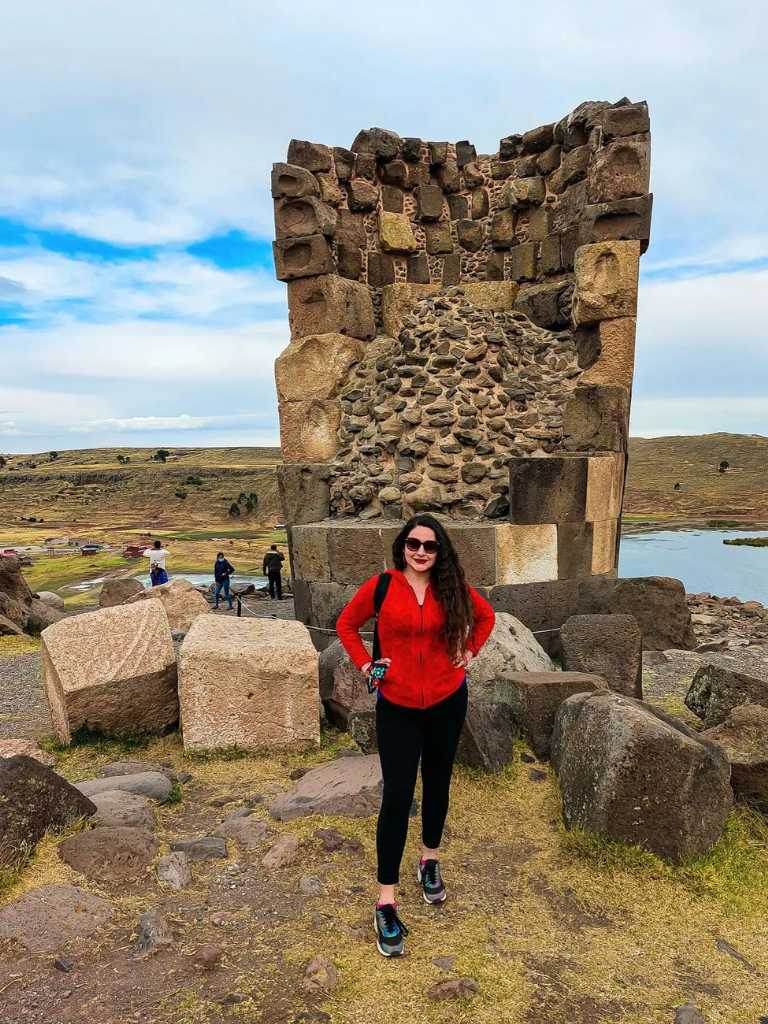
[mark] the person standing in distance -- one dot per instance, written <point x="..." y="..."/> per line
<point x="272" y="569"/>
<point x="157" y="555"/>
<point x="431" y="625"/>
<point x="222" y="570"/>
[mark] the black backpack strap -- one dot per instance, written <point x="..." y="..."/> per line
<point x="382" y="586"/>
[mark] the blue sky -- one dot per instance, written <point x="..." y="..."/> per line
<point x="137" y="299"/>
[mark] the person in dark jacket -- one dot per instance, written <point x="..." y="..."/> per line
<point x="272" y="569"/>
<point x="222" y="570"/>
<point x="431" y="624"/>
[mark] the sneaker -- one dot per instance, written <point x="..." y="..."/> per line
<point x="390" y="930"/>
<point x="429" y="877"/>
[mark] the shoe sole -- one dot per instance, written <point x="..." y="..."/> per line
<point x="427" y="900"/>
<point x="391" y="955"/>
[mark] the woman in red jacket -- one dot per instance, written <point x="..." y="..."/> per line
<point x="430" y="626"/>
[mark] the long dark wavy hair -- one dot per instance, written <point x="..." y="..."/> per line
<point x="447" y="579"/>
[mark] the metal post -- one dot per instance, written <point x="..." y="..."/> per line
<point x="239" y="607"/>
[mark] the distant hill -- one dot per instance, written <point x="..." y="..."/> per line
<point x="656" y="464"/>
<point x="96" y="490"/>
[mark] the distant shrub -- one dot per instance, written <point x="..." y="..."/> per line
<point x="180" y="494"/>
<point x="193" y="481"/>
<point x="161" y="455"/>
<point x="234" y="510"/>
<point x="724" y="465"/>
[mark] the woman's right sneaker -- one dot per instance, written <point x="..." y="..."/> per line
<point x="390" y="930"/>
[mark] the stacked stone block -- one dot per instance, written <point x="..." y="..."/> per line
<point x="462" y="342"/>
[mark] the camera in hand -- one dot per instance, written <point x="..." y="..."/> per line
<point x="376" y="675"/>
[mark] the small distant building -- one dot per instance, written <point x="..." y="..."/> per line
<point x="90" y="549"/>
<point x="135" y="550"/>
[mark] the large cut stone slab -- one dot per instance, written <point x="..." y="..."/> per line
<point x="248" y="683"/>
<point x="33" y="799"/>
<point x="629" y="772"/>
<point x="743" y="738"/>
<point x="112" y="671"/>
<point x="118" y="591"/>
<point x="316" y="366"/>
<point x="597" y="416"/>
<point x="534" y="699"/>
<point x="330" y="304"/>
<point x="154" y="785"/>
<point x="349" y="786"/>
<point x="610" y="646"/>
<point x="110" y="854"/>
<point x="308" y="430"/>
<point x="302" y="256"/>
<point x="657" y="602"/>
<point x="305" y="492"/>
<point x="488" y="738"/>
<point x="51" y="917"/>
<point x="182" y="601"/>
<point x="716" y="690"/>
<point x="606" y="276"/>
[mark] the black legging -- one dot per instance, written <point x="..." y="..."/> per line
<point x="404" y="735"/>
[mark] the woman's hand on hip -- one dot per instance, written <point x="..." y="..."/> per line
<point x="465" y="660"/>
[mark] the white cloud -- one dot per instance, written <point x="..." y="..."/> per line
<point x="148" y="122"/>
<point x="158" y="424"/>
<point x="170" y="284"/>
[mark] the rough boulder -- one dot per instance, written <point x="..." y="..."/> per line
<point x="111" y="671"/>
<point x="634" y="774"/>
<point x="34" y="799"/>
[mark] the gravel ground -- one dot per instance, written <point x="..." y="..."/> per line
<point x="23" y="708"/>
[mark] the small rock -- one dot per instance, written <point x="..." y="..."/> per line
<point x="536" y="775"/>
<point x="298" y="773"/>
<point x="445" y="963"/>
<point x="241" y="812"/>
<point x="527" y="759"/>
<point x="182" y="777"/>
<point x="332" y="840"/>
<point x="248" y="832"/>
<point x="208" y="957"/>
<point x="689" y="1014"/>
<point x="115" y="808"/>
<point x="110" y="855"/>
<point x="320" y="975"/>
<point x="173" y="869"/>
<point x="726" y="947"/>
<point x="153" y="932"/>
<point x="201" y="847"/>
<point x="232" y="999"/>
<point x="114" y="768"/>
<point x="312" y="1017"/>
<point x="284" y="852"/>
<point x="155" y="785"/>
<point x="64" y="965"/>
<point x="254" y="799"/>
<point x="453" y="988"/>
<point x="310" y="886"/>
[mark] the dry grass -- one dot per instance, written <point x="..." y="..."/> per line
<point x="11" y="646"/>
<point x="543" y="920"/>
<point x="657" y="464"/>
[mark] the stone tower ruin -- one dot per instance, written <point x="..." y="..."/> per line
<point x="462" y="342"/>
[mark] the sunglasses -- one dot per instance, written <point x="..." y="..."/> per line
<point x="431" y="547"/>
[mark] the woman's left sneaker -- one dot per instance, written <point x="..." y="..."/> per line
<point x="429" y="877"/>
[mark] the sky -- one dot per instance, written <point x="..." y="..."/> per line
<point x="138" y="304"/>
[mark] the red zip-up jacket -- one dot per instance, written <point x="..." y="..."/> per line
<point x="422" y="671"/>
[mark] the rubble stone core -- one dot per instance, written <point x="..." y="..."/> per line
<point x="462" y="342"/>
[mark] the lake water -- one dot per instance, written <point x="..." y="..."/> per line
<point x="205" y="579"/>
<point x="701" y="560"/>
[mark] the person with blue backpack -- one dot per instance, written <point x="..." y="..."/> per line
<point x="429" y="625"/>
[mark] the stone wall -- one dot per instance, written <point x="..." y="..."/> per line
<point x="462" y="341"/>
